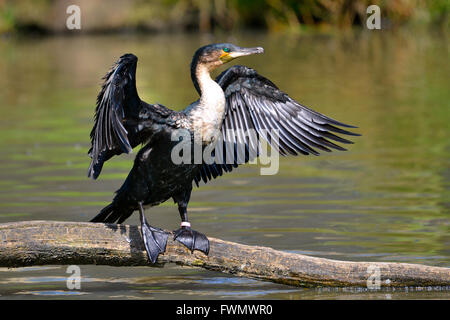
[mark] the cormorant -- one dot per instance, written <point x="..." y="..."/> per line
<point x="239" y="99"/>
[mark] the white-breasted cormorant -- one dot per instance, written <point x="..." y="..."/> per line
<point x="239" y="99"/>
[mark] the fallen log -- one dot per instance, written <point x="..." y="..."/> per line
<point x="62" y="243"/>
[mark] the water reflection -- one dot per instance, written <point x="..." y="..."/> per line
<point x="387" y="198"/>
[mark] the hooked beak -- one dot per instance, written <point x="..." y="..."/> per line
<point x="246" y="52"/>
<point x="227" y="57"/>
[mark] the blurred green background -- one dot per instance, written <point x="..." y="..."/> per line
<point x="203" y="15"/>
<point x="386" y="199"/>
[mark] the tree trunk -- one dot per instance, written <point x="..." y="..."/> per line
<point x="61" y="243"/>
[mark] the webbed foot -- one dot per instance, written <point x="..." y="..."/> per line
<point x="192" y="239"/>
<point x="155" y="239"/>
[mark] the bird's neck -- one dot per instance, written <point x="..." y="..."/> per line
<point x="208" y="114"/>
<point x="200" y="74"/>
<point x="210" y="91"/>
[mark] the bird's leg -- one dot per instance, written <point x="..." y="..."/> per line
<point x="192" y="239"/>
<point x="155" y="239"/>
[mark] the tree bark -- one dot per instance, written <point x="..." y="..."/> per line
<point x="61" y="243"/>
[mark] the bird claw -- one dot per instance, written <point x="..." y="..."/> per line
<point x="155" y="241"/>
<point x="192" y="239"/>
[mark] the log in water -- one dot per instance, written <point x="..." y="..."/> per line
<point x="61" y="243"/>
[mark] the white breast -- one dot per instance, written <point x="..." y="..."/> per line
<point x="207" y="116"/>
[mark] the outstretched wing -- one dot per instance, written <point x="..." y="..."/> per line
<point x="117" y="103"/>
<point x="255" y="104"/>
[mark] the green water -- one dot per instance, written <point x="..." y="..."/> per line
<point x="386" y="199"/>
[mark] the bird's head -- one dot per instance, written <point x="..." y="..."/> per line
<point x="215" y="55"/>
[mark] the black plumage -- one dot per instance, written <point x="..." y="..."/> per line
<point x="118" y="114"/>
<point x="239" y="100"/>
<point x="255" y="103"/>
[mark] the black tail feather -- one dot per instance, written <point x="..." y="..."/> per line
<point x="103" y="215"/>
<point x="113" y="213"/>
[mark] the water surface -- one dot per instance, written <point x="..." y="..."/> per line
<point x="386" y="199"/>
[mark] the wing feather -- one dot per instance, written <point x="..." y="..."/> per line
<point x="255" y="103"/>
<point x="118" y="113"/>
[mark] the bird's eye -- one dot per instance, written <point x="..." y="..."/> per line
<point x="226" y="49"/>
